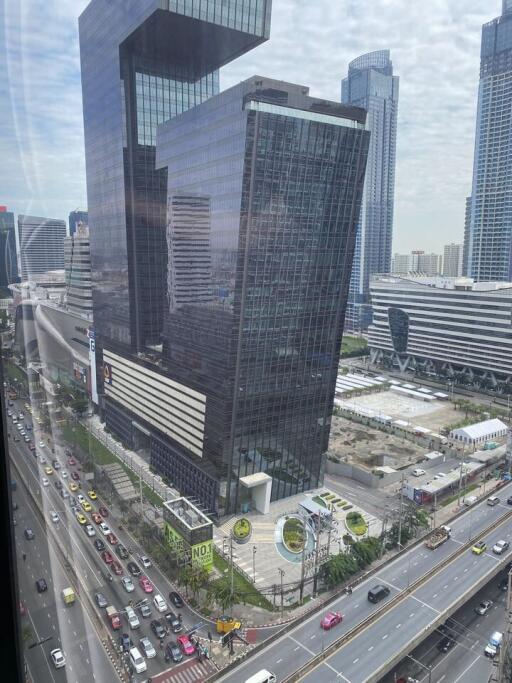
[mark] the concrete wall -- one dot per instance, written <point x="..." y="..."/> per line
<point x="345" y="469"/>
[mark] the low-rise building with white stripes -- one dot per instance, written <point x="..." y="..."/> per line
<point x="444" y="326"/>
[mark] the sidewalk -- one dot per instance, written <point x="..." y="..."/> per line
<point x="445" y="513"/>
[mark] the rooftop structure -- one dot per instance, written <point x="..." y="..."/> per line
<point x="480" y="432"/>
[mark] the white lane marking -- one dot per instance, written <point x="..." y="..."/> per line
<point x="313" y="636"/>
<point x="296" y="648"/>
<point x="398" y="625"/>
<point x="303" y="646"/>
<point x="435" y="595"/>
<point x="279" y="661"/>
<point x="467" y="669"/>
<point x="370" y="648"/>
<point x="424" y="604"/>
<point x="411" y="615"/>
<point x="385" y="636"/>
<point x="355" y="660"/>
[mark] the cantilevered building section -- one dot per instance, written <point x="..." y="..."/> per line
<point x="490" y="234"/>
<point x="445" y="326"/>
<point x="283" y="185"/>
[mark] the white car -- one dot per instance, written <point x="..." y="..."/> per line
<point x="41" y="444"/>
<point x="127" y="584"/>
<point x="89" y="530"/>
<point x="133" y="619"/>
<point x="147" y="648"/>
<point x="105" y="530"/>
<point x="43" y="460"/>
<point x="418" y="472"/>
<point x="160" y="603"/>
<point x="81" y="499"/>
<point x="54" y="517"/>
<point x="58" y="658"/>
<point x="64" y="474"/>
<point x="145" y="561"/>
<point x="45" y="482"/>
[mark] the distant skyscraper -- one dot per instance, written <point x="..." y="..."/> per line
<point x="452" y="260"/>
<point x="371" y="85"/>
<point x="77" y="218"/>
<point x="417" y="262"/>
<point x="41" y="245"/>
<point x="490" y="238"/>
<point x="77" y="258"/>
<point x="8" y="258"/>
<point x="467" y="233"/>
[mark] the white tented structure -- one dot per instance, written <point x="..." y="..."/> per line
<point x="480" y="432"/>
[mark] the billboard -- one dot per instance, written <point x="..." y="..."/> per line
<point x="200" y="554"/>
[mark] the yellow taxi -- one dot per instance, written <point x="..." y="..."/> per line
<point x="73" y="486"/>
<point x="48" y="470"/>
<point x="92" y="494"/>
<point x="81" y="518"/>
<point x="86" y="506"/>
<point x="479" y="547"/>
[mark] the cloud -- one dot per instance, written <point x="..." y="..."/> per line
<point x="435" y="49"/>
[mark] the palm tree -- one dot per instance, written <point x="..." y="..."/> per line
<point x="221" y="594"/>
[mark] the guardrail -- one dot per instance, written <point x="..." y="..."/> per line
<point x="391" y="604"/>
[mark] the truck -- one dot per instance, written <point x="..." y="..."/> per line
<point x="494" y="644"/>
<point x="227" y="624"/>
<point x="68" y="595"/>
<point x="438" y="537"/>
<point x="113" y="617"/>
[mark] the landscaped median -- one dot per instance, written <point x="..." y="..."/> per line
<point x="294" y="535"/>
<point x="356" y="523"/>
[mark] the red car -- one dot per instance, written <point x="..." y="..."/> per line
<point x="112" y="539"/>
<point x="331" y="619"/>
<point x="71" y="462"/>
<point x="103" y="512"/>
<point x="106" y="556"/>
<point x="145" y="584"/>
<point x="116" y="568"/>
<point x="185" y="645"/>
<point x="98" y="519"/>
<point x="74" y="476"/>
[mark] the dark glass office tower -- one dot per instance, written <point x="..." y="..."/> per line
<point x="269" y="181"/>
<point x="75" y="218"/>
<point x="143" y="62"/>
<point x="8" y="259"/>
<point x="490" y="233"/>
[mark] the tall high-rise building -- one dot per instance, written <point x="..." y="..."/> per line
<point x="370" y="84"/>
<point x="417" y="262"/>
<point x="40" y="245"/>
<point x="219" y="288"/>
<point x="490" y="238"/>
<point x="77" y="218"/>
<point x="8" y="258"/>
<point x="77" y="261"/>
<point x="452" y="260"/>
<point x="467" y="232"/>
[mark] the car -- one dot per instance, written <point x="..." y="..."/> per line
<point x="103" y="511"/>
<point x="21" y="416"/>
<point x="493" y="500"/>
<point x="125" y="642"/>
<point x="26" y="439"/>
<point x="75" y="476"/>
<point x="9" y="412"/>
<point x="64" y="474"/>
<point x="174" y="622"/>
<point x="158" y="629"/>
<point x="500" y="547"/>
<point x="173" y="652"/>
<point x="134" y="569"/>
<point x="96" y="518"/>
<point x="132" y="617"/>
<point x="146" y="585"/>
<point x="86" y="506"/>
<point x="41" y="585"/>
<point x="101" y="600"/>
<point x="89" y="530"/>
<point x="92" y="495"/>
<point x="331" y="619"/>
<point x="112" y="539"/>
<point x="176" y="600"/>
<point x="41" y="444"/>
<point x="81" y="518"/>
<point x="32" y="447"/>
<point x="72" y="501"/>
<point x="446" y="644"/>
<point x="29" y="534"/>
<point x="121" y="551"/>
<point x="185" y="645"/>
<point x="23" y="432"/>
<point x="16" y="438"/>
<point x="483" y="607"/>
<point x="145" y="561"/>
<point x="54" y="517"/>
<point x="73" y="486"/>
<point x="105" y="530"/>
<point x="43" y="460"/>
<point x="45" y="481"/>
<point x="147" y="648"/>
<point x="107" y="557"/>
<point x="56" y="464"/>
<point x="64" y="494"/>
<point x="99" y="545"/>
<point x="479" y="547"/>
<point x="76" y="510"/>
<point x="159" y="603"/>
<point x="127" y="584"/>
<point x="58" y="485"/>
<point x="116" y="568"/>
<point x="81" y="499"/>
<point x="71" y="462"/>
<point x="145" y="609"/>
<point x="48" y="470"/>
<point x="58" y="658"/>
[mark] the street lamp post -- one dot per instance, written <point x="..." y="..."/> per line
<point x="254" y="550"/>
<point x="281" y="572"/>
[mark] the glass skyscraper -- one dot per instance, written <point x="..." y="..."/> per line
<point x="41" y="245"/>
<point x="490" y="233"/>
<point x="370" y="84"/>
<point x="8" y="258"/>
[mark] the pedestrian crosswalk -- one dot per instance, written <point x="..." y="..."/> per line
<point x="196" y="673"/>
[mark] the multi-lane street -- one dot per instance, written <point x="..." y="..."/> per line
<point x="92" y="572"/>
<point x="363" y="657"/>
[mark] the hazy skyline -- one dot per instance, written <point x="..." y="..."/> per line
<point x="435" y="49"/>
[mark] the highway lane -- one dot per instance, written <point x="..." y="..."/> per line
<point x="292" y="650"/>
<point x="69" y="627"/>
<point x="87" y="562"/>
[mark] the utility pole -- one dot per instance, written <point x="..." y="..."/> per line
<point x="140" y="483"/>
<point x="254" y="549"/>
<point x="231" y="559"/>
<point x="281" y="571"/>
<point x="303" y="564"/>
<point x="400" y="510"/>
<point x="460" y="476"/>
<point x="317" y="553"/>
<point x="435" y="508"/>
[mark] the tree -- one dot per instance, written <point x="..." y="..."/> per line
<point x="198" y="578"/>
<point x="220" y="592"/>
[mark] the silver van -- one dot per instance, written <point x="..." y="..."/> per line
<point x="493" y="500"/>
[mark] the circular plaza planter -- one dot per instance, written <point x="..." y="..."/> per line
<point x="242" y="530"/>
<point x="294" y="535"/>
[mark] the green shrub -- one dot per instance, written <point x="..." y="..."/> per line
<point x="348" y="507"/>
<point x="356" y="523"/>
<point x="294" y="535"/>
<point x="242" y="528"/>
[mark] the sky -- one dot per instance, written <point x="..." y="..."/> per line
<point x="435" y="47"/>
